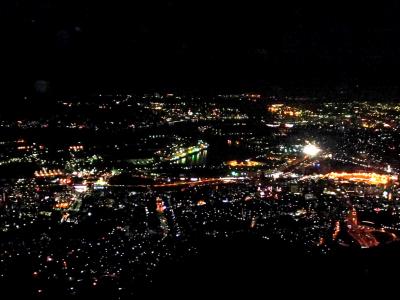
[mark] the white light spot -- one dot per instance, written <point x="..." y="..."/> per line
<point x="311" y="150"/>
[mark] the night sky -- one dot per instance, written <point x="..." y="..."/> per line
<point x="77" y="46"/>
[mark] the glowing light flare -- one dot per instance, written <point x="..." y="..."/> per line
<point x="311" y="150"/>
<point x="201" y="203"/>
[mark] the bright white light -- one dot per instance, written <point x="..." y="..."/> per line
<point x="311" y="150"/>
<point x="80" y="188"/>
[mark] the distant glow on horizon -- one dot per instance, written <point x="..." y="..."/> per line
<point x="311" y="150"/>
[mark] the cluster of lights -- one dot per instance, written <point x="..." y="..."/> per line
<point x="369" y="178"/>
<point x="241" y="164"/>
<point x="48" y="173"/>
<point x="76" y="148"/>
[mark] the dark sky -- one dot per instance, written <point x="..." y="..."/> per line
<point x="75" y="46"/>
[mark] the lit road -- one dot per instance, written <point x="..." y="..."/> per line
<point x="200" y="181"/>
<point x="211" y="180"/>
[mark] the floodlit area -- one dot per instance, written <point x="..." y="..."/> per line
<point x="311" y="150"/>
<point x="369" y="178"/>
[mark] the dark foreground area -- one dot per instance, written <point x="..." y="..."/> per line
<point x="253" y="269"/>
<point x="248" y="268"/>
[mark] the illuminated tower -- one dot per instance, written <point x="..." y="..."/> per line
<point x="352" y="217"/>
<point x="160" y="205"/>
<point x="160" y="208"/>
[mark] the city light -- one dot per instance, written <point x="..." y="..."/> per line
<point x="368" y="178"/>
<point x="246" y="163"/>
<point x="210" y="176"/>
<point x="243" y="139"/>
<point x="311" y="150"/>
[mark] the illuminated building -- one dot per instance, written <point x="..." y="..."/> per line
<point x="241" y="164"/>
<point x="48" y="173"/>
<point x="352" y="218"/>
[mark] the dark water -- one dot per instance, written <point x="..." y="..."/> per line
<point x="217" y="153"/>
<point x="193" y="159"/>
